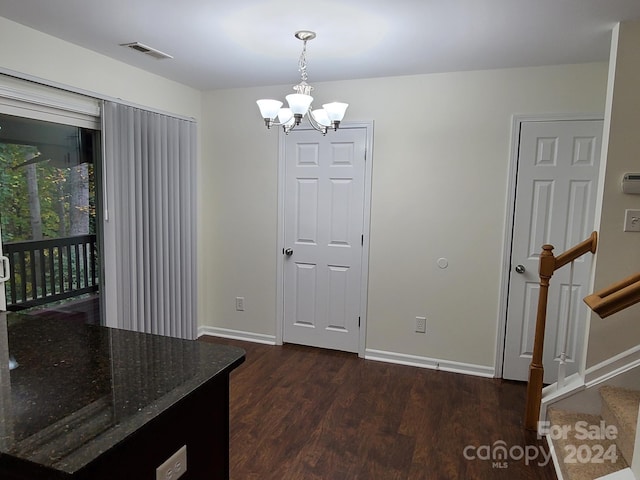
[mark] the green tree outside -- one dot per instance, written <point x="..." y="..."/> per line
<point x="55" y="189"/>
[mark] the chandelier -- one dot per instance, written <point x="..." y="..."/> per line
<point x="329" y="116"/>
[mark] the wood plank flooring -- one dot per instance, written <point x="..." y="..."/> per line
<point x="300" y="413"/>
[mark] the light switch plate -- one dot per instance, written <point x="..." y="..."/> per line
<point x="632" y="220"/>
<point x="240" y="304"/>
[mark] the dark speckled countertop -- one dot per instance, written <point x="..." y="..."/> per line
<point x="80" y="389"/>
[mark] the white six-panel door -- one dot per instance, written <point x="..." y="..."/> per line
<point x="558" y="164"/>
<point x="324" y="221"/>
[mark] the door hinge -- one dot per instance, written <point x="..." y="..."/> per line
<point x="358" y="322"/>
<point x="362" y="240"/>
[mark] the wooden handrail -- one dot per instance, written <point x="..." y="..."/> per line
<point x="548" y="264"/>
<point x="615" y="297"/>
<point x="589" y="245"/>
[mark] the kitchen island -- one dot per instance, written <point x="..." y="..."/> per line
<point x="80" y="402"/>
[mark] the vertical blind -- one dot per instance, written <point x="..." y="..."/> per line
<point x="150" y="221"/>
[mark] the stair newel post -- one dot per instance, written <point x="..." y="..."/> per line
<point x="536" y="369"/>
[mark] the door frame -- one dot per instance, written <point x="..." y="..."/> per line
<point x="27" y="96"/>
<point x="280" y="258"/>
<point x="3" y="262"/>
<point x="505" y="272"/>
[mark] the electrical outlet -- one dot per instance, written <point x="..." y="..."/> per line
<point x="632" y="220"/>
<point x="240" y="304"/>
<point x="421" y="325"/>
<point x="174" y="467"/>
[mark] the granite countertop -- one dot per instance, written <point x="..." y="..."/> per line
<point x="71" y="391"/>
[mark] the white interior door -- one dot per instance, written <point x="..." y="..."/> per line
<point x="558" y="164"/>
<point x="4" y="276"/>
<point x="323" y="236"/>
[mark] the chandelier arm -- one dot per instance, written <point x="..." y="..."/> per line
<point x="286" y="128"/>
<point x="316" y="126"/>
<point x="274" y="123"/>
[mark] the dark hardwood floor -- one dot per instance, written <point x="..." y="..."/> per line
<point x="300" y="413"/>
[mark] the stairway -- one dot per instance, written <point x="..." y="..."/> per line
<point x="588" y="446"/>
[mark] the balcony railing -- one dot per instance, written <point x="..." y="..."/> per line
<point x="45" y="271"/>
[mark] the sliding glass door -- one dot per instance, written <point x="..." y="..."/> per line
<point x="4" y="275"/>
<point x="48" y="217"/>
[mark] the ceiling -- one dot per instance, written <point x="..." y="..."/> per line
<point x="242" y="43"/>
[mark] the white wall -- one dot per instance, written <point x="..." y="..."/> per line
<point x="440" y="165"/>
<point x="34" y="53"/>
<point x="441" y="154"/>
<point x="239" y="214"/>
<point x="619" y="252"/>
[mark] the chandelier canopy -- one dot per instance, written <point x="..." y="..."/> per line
<point x="329" y="116"/>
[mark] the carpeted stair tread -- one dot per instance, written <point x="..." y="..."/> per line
<point x="623" y="404"/>
<point x="587" y="466"/>
<point x="620" y="408"/>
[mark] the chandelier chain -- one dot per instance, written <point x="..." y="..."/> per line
<point x="302" y="62"/>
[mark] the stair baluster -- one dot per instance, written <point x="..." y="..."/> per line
<point x="547" y="265"/>
<point x="562" y="364"/>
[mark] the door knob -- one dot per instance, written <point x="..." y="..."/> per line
<point x="288" y="252"/>
<point x="520" y="269"/>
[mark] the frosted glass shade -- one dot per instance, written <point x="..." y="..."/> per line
<point x="285" y="117"/>
<point x="320" y="116"/>
<point x="335" y="110"/>
<point x="299" y="103"/>
<point x="269" y="108"/>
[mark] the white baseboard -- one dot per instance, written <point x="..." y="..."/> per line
<point x="581" y="393"/>
<point x="237" y="335"/>
<point x="433" y="363"/>
<point x="613" y="366"/>
<point x="574" y="384"/>
<point x="370" y="354"/>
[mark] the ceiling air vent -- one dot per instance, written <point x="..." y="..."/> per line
<point x="152" y="52"/>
